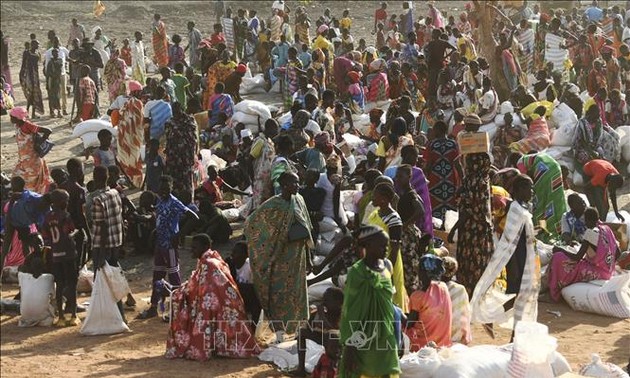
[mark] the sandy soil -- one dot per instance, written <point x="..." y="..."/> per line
<point x="57" y="352"/>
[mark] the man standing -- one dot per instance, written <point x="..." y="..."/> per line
<point x="107" y="223"/>
<point x="435" y="52"/>
<point x="63" y="54"/>
<point x="138" y="70"/>
<point x="156" y="113"/>
<point x="194" y="38"/>
<point x="92" y="58"/>
<point x="76" y="31"/>
<point x="169" y="211"/>
<point x="76" y="207"/>
<point x="594" y="13"/>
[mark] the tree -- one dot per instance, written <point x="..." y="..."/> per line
<point x="486" y="12"/>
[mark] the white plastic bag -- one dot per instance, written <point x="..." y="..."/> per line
<point x="285" y="357"/>
<point x="103" y="317"/>
<point x="532" y="351"/>
<point x="116" y="281"/>
<point x="609" y="298"/>
<point x="35" y="297"/>
<point x="612" y="218"/>
<point x="484" y="361"/>
<point x="86" y="280"/>
<point x="599" y="369"/>
<point x="316" y="291"/>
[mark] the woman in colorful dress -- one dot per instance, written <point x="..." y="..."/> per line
<point x="217" y="73"/>
<point x="160" y="41"/>
<point x="549" y="200"/>
<point x="181" y="149"/>
<point x="378" y="86"/>
<point x="219" y="103"/>
<point x="368" y="301"/>
<point x="431" y="313"/>
<point x="131" y="135"/>
<point x="443" y="172"/>
<point x="209" y="316"/>
<point x="31" y="167"/>
<point x="474" y="227"/>
<point x="388" y="219"/>
<point x="115" y="73"/>
<point x="29" y="79"/>
<point x="538" y="137"/>
<point x="279" y="237"/>
<point x="594" y="261"/>
<point x="506" y="135"/>
<point x="293" y="70"/>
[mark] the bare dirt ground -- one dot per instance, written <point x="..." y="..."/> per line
<point x="63" y="352"/>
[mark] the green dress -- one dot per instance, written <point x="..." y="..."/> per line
<point x="368" y="315"/>
<point x="279" y="265"/>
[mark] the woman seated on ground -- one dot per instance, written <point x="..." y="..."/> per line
<point x="208" y="312"/>
<point x="212" y="190"/>
<point x="460" y="325"/>
<point x="431" y="308"/>
<point x="538" y="137"/>
<point x="595" y="259"/>
<point x="573" y="226"/>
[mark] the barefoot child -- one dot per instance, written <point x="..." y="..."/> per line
<point x="104" y="155"/>
<point x="58" y="232"/>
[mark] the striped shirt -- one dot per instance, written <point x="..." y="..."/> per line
<point x="159" y="112"/>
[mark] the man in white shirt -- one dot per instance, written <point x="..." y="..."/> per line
<point x="63" y="55"/>
<point x="625" y="37"/>
<point x="138" y="70"/>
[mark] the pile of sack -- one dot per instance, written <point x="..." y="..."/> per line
<point x="253" y="114"/>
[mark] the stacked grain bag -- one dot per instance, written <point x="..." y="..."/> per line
<point x="249" y="113"/>
<point x="88" y="131"/>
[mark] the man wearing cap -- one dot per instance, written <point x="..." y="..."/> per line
<point x="92" y="58"/>
<point x="233" y="82"/>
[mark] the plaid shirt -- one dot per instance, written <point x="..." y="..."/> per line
<point x="107" y="212"/>
<point x="88" y="90"/>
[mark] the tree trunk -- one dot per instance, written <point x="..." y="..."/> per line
<point x="488" y="46"/>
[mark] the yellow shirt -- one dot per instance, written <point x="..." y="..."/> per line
<point x="345" y="23"/>
<point x="322" y="43"/>
<point x="257" y="148"/>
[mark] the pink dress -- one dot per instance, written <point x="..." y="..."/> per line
<point x="598" y="266"/>
<point x="435" y="310"/>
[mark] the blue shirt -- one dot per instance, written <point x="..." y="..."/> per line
<point x="280" y="55"/>
<point x="168" y="212"/>
<point x="594" y="14"/>
<point x="159" y="111"/>
<point x="305" y="57"/>
<point x="155" y="168"/>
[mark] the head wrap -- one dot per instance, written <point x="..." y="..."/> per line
<point x="368" y="231"/>
<point x="432" y="265"/>
<point x="378" y="64"/>
<point x="450" y="266"/>
<point x="545" y="17"/>
<point x="355" y="55"/>
<point x="300" y="119"/>
<point x="134" y="86"/>
<point x="462" y="111"/>
<point x="322" y="138"/>
<point x="322" y="29"/>
<point x="241" y="68"/>
<point x="19" y="112"/>
<point x="472" y="119"/>
<point x="354" y="76"/>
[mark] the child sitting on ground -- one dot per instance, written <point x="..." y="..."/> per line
<point x="58" y="232"/>
<point x="104" y="155"/>
<point x="242" y="274"/>
<point x="328" y="363"/>
<point x="213" y="223"/>
<point x="321" y="328"/>
<point x="211" y="190"/>
<point x="460" y="328"/>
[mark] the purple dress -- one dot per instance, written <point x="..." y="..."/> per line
<point x="419" y="184"/>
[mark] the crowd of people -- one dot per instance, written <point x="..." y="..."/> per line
<point x="425" y="80"/>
